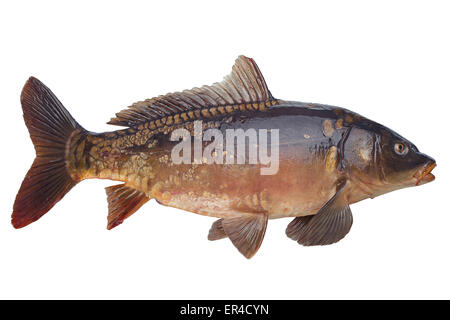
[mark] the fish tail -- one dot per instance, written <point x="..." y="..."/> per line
<point x="50" y="126"/>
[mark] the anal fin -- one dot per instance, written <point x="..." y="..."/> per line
<point x="123" y="201"/>
<point x="328" y="226"/>
<point x="216" y="232"/>
<point x="246" y="233"/>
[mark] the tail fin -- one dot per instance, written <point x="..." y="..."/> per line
<point x="50" y="126"/>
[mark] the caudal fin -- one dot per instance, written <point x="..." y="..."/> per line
<point x="50" y="126"/>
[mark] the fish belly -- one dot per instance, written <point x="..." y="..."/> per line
<point x="226" y="191"/>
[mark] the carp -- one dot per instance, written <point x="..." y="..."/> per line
<point x="229" y="150"/>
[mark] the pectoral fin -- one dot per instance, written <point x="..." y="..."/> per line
<point x="246" y="233"/>
<point x="329" y="225"/>
<point x="297" y="227"/>
<point x="216" y="232"/>
<point x="123" y="201"/>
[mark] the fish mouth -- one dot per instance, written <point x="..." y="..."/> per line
<point x="424" y="175"/>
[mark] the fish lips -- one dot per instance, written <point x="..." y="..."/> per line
<point x="424" y="174"/>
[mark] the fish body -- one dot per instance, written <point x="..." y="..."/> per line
<point x="229" y="151"/>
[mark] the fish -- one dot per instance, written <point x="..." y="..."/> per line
<point x="322" y="159"/>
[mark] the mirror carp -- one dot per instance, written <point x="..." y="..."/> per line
<point x="269" y="159"/>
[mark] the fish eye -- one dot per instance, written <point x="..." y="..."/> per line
<point x="400" y="148"/>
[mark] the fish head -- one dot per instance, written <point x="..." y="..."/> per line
<point x="379" y="160"/>
<point x="400" y="162"/>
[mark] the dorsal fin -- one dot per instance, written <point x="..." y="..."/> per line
<point x="245" y="84"/>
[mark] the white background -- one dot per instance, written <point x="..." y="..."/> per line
<point x="387" y="60"/>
